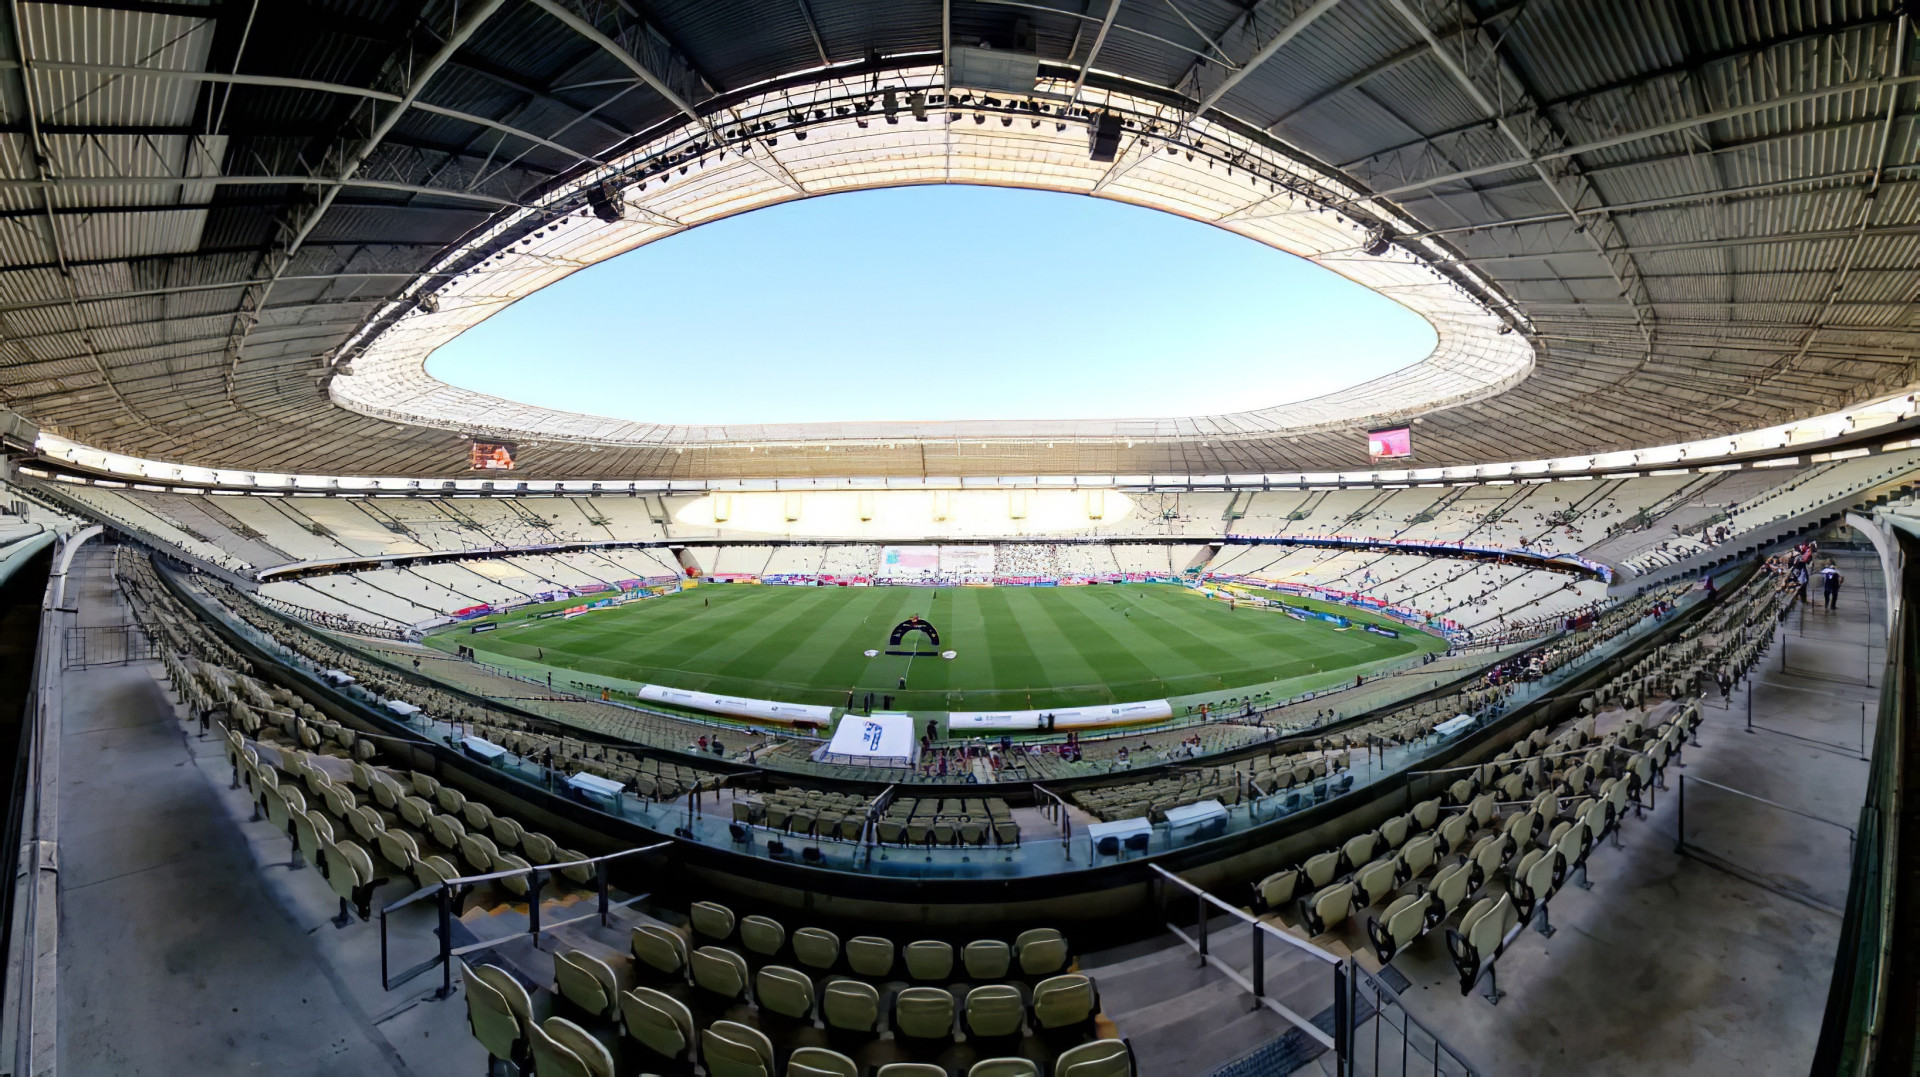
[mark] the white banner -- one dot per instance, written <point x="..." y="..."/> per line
<point x="766" y="709"/>
<point x="1146" y="710"/>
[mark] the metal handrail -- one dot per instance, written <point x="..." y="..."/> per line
<point x="443" y="892"/>
<point x="467" y="880"/>
<point x="1309" y="948"/>
<point x="1685" y="778"/>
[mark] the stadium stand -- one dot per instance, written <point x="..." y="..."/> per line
<point x="1271" y="722"/>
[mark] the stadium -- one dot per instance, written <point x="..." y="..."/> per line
<point x="1539" y="702"/>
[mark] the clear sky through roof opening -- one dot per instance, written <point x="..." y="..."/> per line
<point x="938" y="303"/>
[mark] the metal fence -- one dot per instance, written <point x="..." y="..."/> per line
<point x="107" y="645"/>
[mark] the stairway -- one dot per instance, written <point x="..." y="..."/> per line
<point x="1185" y="1018"/>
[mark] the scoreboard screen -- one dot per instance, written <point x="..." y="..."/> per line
<point x="1393" y="444"/>
<point x="492" y="456"/>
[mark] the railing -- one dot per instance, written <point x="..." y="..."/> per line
<point x="1767" y="880"/>
<point x="1056" y="810"/>
<point x="107" y="645"/>
<point x="1254" y="981"/>
<point x="30" y="1030"/>
<point x="1383" y="1038"/>
<point x="447" y="891"/>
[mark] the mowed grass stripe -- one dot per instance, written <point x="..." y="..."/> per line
<point x="1096" y="646"/>
<point x="831" y="653"/>
<point x="1014" y="665"/>
<point x="1018" y="647"/>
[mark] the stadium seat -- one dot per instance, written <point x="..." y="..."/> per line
<point x="506" y="832"/>
<point x="1478" y="938"/>
<point x="816" y="948"/>
<point x="820" y="1062"/>
<point x="587" y="982"/>
<point x="994" y="1011"/>
<point x="498" y="1010"/>
<point x="564" y="1049"/>
<point x="1418" y="856"/>
<point x="720" y="971"/>
<point x="1101" y="1058"/>
<point x="1004" y="1067"/>
<point x="711" y="921"/>
<point x="479" y="852"/>
<point x="787" y="992"/>
<point x="1401" y="923"/>
<point x="731" y="1049"/>
<point x="349" y="872"/>
<point x="1042" y="951"/>
<point x="911" y="1069"/>
<point x="987" y="959"/>
<point x="1064" y="1002"/>
<point x="870" y="956"/>
<point x="1375" y="880"/>
<point x="929" y="961"/>
<point x="923" y="1013"/>
<point x="1276" y="891"/>
<point x="851" y="1006"/>
<point x="1328" y="908"/>
<point x="761" y="935"/>
<point x="1321" y="869"/>
<point x="478" y="817"/>
<point x="658" y="1021"/>
<point x="515" y="884"/>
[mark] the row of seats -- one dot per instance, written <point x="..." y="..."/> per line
<point x="1579" y="787"/>
<point x="663" y="1030"/>
<point x="1037" y="952"/>
<point x="947" y="821"/>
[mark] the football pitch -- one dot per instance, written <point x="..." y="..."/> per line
<point x="1015" y="647"/>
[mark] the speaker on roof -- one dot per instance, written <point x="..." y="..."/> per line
<point x="1103" y="137"/>
<point x="604" y="199"/>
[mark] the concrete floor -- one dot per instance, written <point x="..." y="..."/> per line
<point x="1684" y="964"/>
<point x="187" y="944"/>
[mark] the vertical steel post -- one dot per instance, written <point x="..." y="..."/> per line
<point x="446" y="943"/>
<point x="1680" y="834"/>
<point x="1259" y="963"/>
<point x="600" y="873"/>
<point x="533" y="906"/>
<point x="1342" y="1021"/>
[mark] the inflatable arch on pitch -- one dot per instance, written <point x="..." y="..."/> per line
<point x="913" y="624"/>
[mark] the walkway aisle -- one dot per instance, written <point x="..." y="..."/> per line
<point x="186" y="943"/>
<point x="1683" y="964"/>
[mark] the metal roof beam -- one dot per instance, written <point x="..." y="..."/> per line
<point x="813" y="31"/>
<point x="1199" y="55"/>
<point x="1287" y="33"/>
<point x="1701" y="245"/>
<point x="1466" y="82"/>
<point x="81" y="183"/>
<point x="1641" y="135"/>
<point x="585" y="29"/>
<point x="1615" y="208"/>
<point x="314" y="85"/>
<point x="1093" y="53"/>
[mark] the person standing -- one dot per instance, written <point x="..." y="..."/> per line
<point x="1830" y="580"/>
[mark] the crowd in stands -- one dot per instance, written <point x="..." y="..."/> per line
<point x="1801" y="492"/>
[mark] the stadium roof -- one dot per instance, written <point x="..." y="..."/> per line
<point x="1631" y="223"/>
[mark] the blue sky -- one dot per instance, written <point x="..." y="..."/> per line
<point x="931" y="303"/>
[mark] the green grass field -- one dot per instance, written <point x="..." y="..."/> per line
<point x="1017" y="647"/>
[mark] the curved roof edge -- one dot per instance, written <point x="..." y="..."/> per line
<point x="1209" y="172"/>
